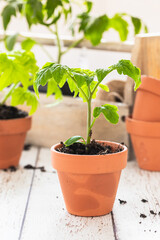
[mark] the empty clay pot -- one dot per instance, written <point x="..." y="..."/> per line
<point x="89" y="182"/>
<point x="12" y="137"/>
<point x="145" y="138"/>
<point x="147" y="101"/>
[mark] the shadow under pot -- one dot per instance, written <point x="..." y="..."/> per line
<point x="12" y="137"/>
<point x="145" y="137"/>
<point x="89" y="182"/>
<point x="147" y="101"/>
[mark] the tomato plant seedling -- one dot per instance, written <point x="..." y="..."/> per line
<point x="85" y="83"/>
<point x="17" y="70"/>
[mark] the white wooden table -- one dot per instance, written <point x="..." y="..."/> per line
<point x="32" y="206"/>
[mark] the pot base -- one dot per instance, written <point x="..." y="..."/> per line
<point x="89" y="195"/>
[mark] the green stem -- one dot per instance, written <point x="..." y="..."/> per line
<point x="89" y="122"/>
<point x="95" y="88"/>
<point x="89" y="116"/>
<point x="74" y="44"/>
<point x="58" y="44"/>
<point x="13" y="86"/>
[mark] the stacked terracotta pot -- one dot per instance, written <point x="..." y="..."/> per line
<point x="144" y="126"/>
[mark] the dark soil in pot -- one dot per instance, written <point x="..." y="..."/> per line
<point x="9" y="112"/>
<point x="94" y="148"/>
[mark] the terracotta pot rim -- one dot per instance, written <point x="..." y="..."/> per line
<point x="14" y="119"/>
<point x="58" y="144"/>
<point x="89" y="164"/>
<point x="15" y="126"/>
<point x="143" y="128"/>
<point x="153" y="85"/>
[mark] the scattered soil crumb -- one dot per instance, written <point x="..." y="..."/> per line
<point x="152" y="212"/>
<point x="27" y="147"/>
<point x="144" y="200"/>
<point x="122" y="201"/>
<point x="30" y="167"/>
<point x="10" y="169"/>
<point x="143" y="215"/>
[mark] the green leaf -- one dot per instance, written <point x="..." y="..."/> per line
<point x="88" y="5"/>
<point x="51" y="5"/>
<point x="20" y="96"/>
<point x="54" y="74"/>
<point x="137" y="24"/>
<point x="74" y="139"/>
<point x="96" y="28"/>
<point x="42" y="76"/>
<point x="93" y="28"/>
<point x="82" y="76"/>
<point x="96" y="112"/>
<point x="104" y="87"/>
<point x="145" y="29"/>
<point x="34" y="12"/>
<point x="7" y="13"/>
<point x="102" y="73"/>
<point x="109" y="112"/>
<point x="127" y="68"/>
<point x="72" y="87"/>
<point x="28" y="44"/>
<point x="10" y="41"/>
<point x="17" y="66"/>
<point x="120" y="25"/>
<point x="53" y="88"/>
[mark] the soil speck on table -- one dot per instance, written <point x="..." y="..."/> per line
<point x="144" y="200"/>
<point x="10" y="169"/>
<point x="30" y="167"/>
<point x="152" y="212"/>
<point x="143" y="215"/>
<point x="27" y="147"/>
<point x="122" y="201"/>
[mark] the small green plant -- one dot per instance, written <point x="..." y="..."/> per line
<point x="17" y="70"/>
<point x="49" y="13"/>
<point x="85" y="83"/>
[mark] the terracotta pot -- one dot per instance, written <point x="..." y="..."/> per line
<point x="145" y="138"/>
<point x="147" y="101"/>
<point x="12" y="137"/>
<point x="89" y="182"/>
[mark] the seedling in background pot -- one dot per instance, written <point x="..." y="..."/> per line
<point x="17" y="70"/>
<point x="85" y="83"/>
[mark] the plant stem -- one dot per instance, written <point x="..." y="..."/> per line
<point x="58" y="44"/>
<point x="74" y="44"/>
<point x="89" y="122"/>
<point x="89" y="116"/>
<point x="13" y="86"/>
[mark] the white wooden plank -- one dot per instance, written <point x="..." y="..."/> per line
<point x="45" y="160"/>
<point x="14" y="189"/>
<point x="135" y="185"/>
<point x="47" y="218"/>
